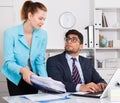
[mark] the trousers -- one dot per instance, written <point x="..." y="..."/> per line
<point x="22" y="88"/>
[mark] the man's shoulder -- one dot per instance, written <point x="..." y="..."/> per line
<point x="85" y="59"/>
<point x="57" y="56"/>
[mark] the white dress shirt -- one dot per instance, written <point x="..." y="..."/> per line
<point x="70" y="61"/>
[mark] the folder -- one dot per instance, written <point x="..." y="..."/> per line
<point x="85" y="38"/>
<point x="47" y="84"/>
<point x="90" y="34"/>
<point x="98" y="18"/>
<point x="96" y="35"/>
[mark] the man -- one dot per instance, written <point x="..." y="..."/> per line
<point x="62" y="67"/>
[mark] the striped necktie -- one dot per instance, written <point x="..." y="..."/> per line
<point x="75" y="73"/>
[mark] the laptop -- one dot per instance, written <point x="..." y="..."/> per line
<point x="112" y="83"/>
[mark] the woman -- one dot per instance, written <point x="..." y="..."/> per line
<point x="24" y="49"/>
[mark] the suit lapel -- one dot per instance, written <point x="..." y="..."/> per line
<point x="21" y="36"/>
<point x="34" y="45"/>
<point x="35" y="41"/>
<point x="81" y="63"/>
<point x="66" y="66"/>
<point x="23" y="41"/>
<point x="35" y="38"/>
<point x="83" y="67"/>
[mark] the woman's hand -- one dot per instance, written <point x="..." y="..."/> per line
<point x="26" y="75"/>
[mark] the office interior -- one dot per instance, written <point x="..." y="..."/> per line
<point x="105" y="33"/>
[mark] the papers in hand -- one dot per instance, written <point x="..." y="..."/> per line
<point x="48" y="84"/>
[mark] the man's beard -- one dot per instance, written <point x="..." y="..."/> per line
<point x="72" y="51"/>
<point x="69" y="51"/>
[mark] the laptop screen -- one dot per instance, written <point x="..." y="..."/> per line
<point x="112" y="83"/>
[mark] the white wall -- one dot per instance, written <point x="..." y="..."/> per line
<point x="107" y="3"/>
<point x="79" y="8"/>
<point x="6" y="20"/>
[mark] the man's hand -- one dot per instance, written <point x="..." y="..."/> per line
<point x="92" y="87"/>
<point x="102" y="86"/>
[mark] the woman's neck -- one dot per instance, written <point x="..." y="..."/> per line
<point x="28" y="29"/>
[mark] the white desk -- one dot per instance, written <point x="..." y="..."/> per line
<point x="73" y="99"/>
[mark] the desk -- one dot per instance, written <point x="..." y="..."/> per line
<point x="73" y="99"/>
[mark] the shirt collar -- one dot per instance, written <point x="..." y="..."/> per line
<point x="68" y="57"/>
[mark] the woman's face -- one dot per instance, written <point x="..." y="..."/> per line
<point x="37" y="19"/>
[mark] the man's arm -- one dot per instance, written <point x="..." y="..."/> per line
<point x="92" y="87"/>
<point x="93" y="81"/>
<point x="96" y="77"/>
<point x="89" y="72"/>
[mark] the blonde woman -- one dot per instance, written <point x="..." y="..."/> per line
<point x="24" y="49"/>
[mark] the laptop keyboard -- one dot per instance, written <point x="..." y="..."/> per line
<point x="97" y="93"/>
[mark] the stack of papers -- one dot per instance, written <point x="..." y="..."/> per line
<point x="44" y="98"/>
<point x="47" y="84"/>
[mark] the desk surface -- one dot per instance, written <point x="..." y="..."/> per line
<point x="73" y="99"/>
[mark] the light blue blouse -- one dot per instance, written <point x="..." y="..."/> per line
<point x="17" y="52"/>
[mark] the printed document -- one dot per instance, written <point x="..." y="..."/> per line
<point x="48" y="84"/>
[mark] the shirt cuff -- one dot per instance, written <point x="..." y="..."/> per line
<point x="78" y="87"/>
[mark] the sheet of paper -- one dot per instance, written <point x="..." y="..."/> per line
<point x="79" y="92"/>
<point x="48" y="97"/>
<point x="47" y="83"/>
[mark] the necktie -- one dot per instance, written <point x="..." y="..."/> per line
<point x="75" y="74"/>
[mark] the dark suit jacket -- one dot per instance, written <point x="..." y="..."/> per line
<point x="58" y="69"/>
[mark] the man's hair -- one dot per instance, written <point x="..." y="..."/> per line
<point x="75" y="32"/>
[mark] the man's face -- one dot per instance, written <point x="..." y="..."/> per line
<point x="72" y="44"/>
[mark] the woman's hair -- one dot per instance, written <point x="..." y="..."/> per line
<point x="30" y="6"/>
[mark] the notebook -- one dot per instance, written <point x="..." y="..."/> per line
<point x="115" y="79"/>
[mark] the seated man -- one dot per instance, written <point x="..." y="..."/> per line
<point x="76" y="72"/>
